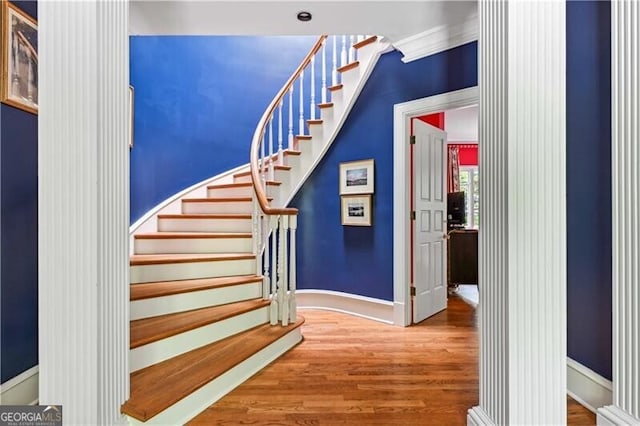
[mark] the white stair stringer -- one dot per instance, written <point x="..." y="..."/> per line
<point x="334" y="117"/>
<point x="180" y="302"/>
<point x="190" y="406"/>
<point x="158" y="351"/>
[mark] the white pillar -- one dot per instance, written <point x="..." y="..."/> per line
<point x="523" y="212"/>
<point x="83" y="208"/>
<point x="625" y="79"/>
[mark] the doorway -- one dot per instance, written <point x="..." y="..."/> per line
<point x="403" y="113"/>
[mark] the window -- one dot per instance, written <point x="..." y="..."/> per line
<point x="469" y="183"/>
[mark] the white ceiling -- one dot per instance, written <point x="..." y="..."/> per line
<point x="395" y="20"/>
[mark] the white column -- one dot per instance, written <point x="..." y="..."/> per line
<point x="523" y="232"/>
<point x="83" y="214"/>
<point x="625" y="79"/>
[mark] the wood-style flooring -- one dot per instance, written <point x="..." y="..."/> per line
<point x="354" y="371"/>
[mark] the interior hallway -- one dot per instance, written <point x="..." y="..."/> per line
<point x="354" y="371"/>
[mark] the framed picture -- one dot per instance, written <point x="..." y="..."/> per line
<point x="19" y="59"/>
<point x="356" y="210"/>
<point x="356" y="177"/>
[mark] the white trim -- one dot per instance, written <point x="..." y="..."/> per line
<point x="588" y="387"/>
<point x="437" y="40"/>
<point x="21" y="389"/>
<point x="614" y="416"/>
<point x="402" y="114"/>
<point x="476" y="416"/>
<point x="352" y="304"/>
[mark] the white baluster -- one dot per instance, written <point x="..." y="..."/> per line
<point x="343" y="52"/>
<point x="301" y="119"/>
<point x="334" y="67"/>
<point x="290" y="136"/>
<point x="283" y="286"/>
<point x="280" y="156"/>
<point x="271" y="164"/>
<point x="273" y="307"/>
<point x="293" y="306"/>
<point x="352" y="50"/>
<point x="263" y="165"/>
<point x="323" y="95"/>
<point x="312" y="99"/>
<point x="266" y="281"/>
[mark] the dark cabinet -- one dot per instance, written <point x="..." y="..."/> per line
<point x="462" y="256"/>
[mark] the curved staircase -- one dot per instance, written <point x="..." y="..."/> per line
<point x="212" y="297"/>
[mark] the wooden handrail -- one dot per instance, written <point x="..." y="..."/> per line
<point x="257" y="136"/>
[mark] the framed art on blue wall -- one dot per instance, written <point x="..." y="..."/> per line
<point x="19" y="59"/>
<point x="356" y="210"/>
<point x="356" y="177"/>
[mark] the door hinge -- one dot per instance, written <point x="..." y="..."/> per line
<point x="412" y="140"/>
<point x="412" y="215"/>
<point x="413" y="291"/>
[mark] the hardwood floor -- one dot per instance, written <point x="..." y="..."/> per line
<point x="354" y="371"/>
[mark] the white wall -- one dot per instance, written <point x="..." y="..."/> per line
<point x="461" y="124"/>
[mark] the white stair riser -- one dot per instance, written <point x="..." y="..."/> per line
<point x="191" y="270"/>
<point x="164" y="305"/>
<point x="242" y="179"/>
<point x="241" y="191"/>
<point x="316" y="131"/>
<point x="237" y="207"/>
<point x="164" y="349"/>
<point x="189" y="407"/>
<point x="193" y="245"/>
<point x="204" y="225"/>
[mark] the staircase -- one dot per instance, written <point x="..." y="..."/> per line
<point x="212" y="297"/>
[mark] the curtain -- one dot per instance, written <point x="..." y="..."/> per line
<point x="454" y="169"/>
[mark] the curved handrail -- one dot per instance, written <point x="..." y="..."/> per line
<point x="262" y="124"/>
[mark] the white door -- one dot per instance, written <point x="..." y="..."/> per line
<point x="430" y="227"/>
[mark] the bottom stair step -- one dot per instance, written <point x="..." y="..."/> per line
<point x="176" y="390"/>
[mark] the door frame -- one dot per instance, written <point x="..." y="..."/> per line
<point x="402" y="115"/>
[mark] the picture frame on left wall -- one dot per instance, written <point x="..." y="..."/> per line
<point x="19" y="85"/>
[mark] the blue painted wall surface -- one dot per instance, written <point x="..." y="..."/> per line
<point x="589" y="184"/>
<point x="18" y="237"/>
<point x="197" y="103"/>
<point x="358" y="260"/>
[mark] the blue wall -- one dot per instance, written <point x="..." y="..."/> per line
<point x="589" y="184"/>
<point x="358" y="260"/>
<point x="18" y="237"/>
<point x="197" y="103"/>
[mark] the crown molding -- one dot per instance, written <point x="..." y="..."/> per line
<point x="437" y="40"/>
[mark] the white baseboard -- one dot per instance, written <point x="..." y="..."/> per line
<point x="588" y="387"/>
<point x="353" y="304"/>
<point x="614" y="416"/>
<point x="22" y="389"/>
<point x="477" y="417"/>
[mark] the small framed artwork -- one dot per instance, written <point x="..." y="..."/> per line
<point x="356" y="210"/>
<point x="356" y="177"/>
<point x="19" y="59"/>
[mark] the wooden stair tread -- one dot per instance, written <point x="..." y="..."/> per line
<point x="216" y="200"/>
<point x="325" y="105"/>
<point x="365" y="42"/>
<point x="204" y="216"/>
<point x="159" y="259"/>
<point x="303" y="137"/>
<point x="167" y="288"/>
<point x="190" y="235"/>
<point x="350" y="66"/>
<point x="336" y="87"/>
<point x="155" y="388"/>
<point x="149" y="330"/>
<point x="312" y="122"/>
<point x="241" y="185"/>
